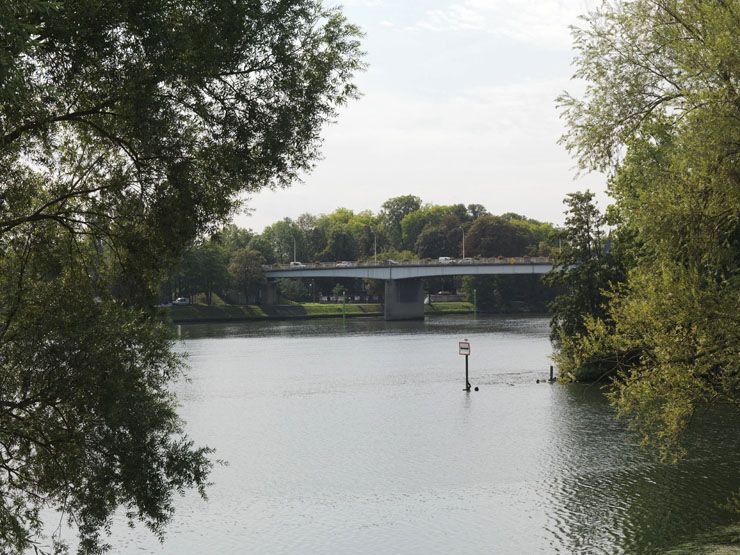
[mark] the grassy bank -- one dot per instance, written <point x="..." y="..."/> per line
<point x="226" y="313"/>
<point x="449" y="308"/>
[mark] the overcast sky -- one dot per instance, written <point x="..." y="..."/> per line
<point x="458" y="106"/>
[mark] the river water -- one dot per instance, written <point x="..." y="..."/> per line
<point x="356" y="437"/>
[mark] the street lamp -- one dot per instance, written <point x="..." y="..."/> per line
<point x="294" y="250"/>
<point x="375" y="246"/>
<point x="463" y="232"/>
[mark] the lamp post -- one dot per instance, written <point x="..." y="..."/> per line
<point x="463" y="232"/>
<point x="294" y="250"/>
<point x="375" y="246"/>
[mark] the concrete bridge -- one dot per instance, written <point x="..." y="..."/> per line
<point x="404" y="293"/>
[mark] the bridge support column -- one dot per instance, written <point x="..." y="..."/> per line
<point x="268" y="293"/>
<point x="404" y="299"/>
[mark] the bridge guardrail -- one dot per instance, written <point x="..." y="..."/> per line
<point x="422" y="262"/>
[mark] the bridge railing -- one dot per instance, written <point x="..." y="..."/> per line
<point x="421" y="262"/>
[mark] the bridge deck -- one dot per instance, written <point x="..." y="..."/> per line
<point x="413" y="269"/>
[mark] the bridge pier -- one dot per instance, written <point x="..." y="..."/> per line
<point x="268" y="293"/>
<point x="404" y="299"/>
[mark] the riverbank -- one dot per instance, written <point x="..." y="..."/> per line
<point x="232" y="313"/>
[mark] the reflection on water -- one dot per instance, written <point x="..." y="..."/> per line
<point x="336" y="327"/>
<point x="355" y="437"/>
<point x="609" y="496"/>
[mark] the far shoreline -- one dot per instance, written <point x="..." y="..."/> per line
<point x="196" y="313"/>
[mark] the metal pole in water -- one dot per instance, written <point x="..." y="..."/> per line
<point x="475" y="302"/>
<point x="464" y="349"/>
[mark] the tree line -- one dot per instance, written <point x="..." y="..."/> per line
<point x="228" y="262"/>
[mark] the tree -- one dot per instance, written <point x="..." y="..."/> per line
<point x="233" y="238"/>
<point x="585" y="271"/>
<point x="579" y="268"/>
<point x="431" y="214"/>
<point x="340" y="245"/>
<point x="393" y="211"/>
<point x="262" y="245"/>
<point x="491" y="236"/>
<point x="127" y="130"/>
<point x="287" y="240"/>
<point x="432" y="242"/>
<point x="442" y="239"/>
<point x="475" y="211"/>
<point x="203" y="269"/>
<point x="661" y="115"/>
<point x="246" y="271"/>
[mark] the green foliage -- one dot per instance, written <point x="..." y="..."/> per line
<point x="414" y="223"/>
<point x="662" y="115"/>
<point x="442" y="239"/>
<point x="492" y="236"/>
<point x="128" y="130"/>
<point x="583" y="269"/>
<point x="202" y="268"/>
<point x="293" y="290"/>
<point x="433" y="231"/>
<point x="88" y="420"/>
<point x="286" y="241"/>
<point x="394" y="210"/>
<point x="508" y="294"/>
<point x="246" y="271"/>
<point x="340" y="245"/>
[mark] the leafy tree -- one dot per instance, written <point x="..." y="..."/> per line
<point x="246" y="271"/>
<point x="508" y="294"/>
<point x="341" y="245"/>
<point x="544" y="234"/>
<point x="661" y="114"/>
<point x="475" y="211"/>
<point x="293" y="290"/>
<point x="233" y="238"/>
<point x="287" y="240"/>
<point x="443" y="239"/>
<point x="432" y="242"/>
<point x="262" y="245"/>
<point x="393" y="211"/>
<point x="414" y="223"/>
<point x="580" y="268"/>
<point x="128" y="129"/>
<point x="345" y="235"/>
<point x="491" y="236"/>
<point x="203" y="269"/>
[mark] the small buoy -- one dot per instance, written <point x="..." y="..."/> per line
<point x="476" y="388"/>
<point x="538" y="381"/>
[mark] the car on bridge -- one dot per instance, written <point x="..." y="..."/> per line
<point x="345" y="264"/>
<point x="296" y="264"/>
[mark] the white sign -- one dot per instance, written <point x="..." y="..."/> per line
<point x="464" y="348"/>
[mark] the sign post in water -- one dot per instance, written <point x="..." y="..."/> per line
<point x="465" y="350"/>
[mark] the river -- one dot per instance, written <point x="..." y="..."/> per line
<point x="356" y="437"/>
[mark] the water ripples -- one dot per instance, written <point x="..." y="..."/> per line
<point x="356" y="438"/>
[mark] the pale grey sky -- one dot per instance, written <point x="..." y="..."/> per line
<point x="458" y="107"/>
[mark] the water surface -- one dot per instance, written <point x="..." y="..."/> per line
<point x="356" y="437"/>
